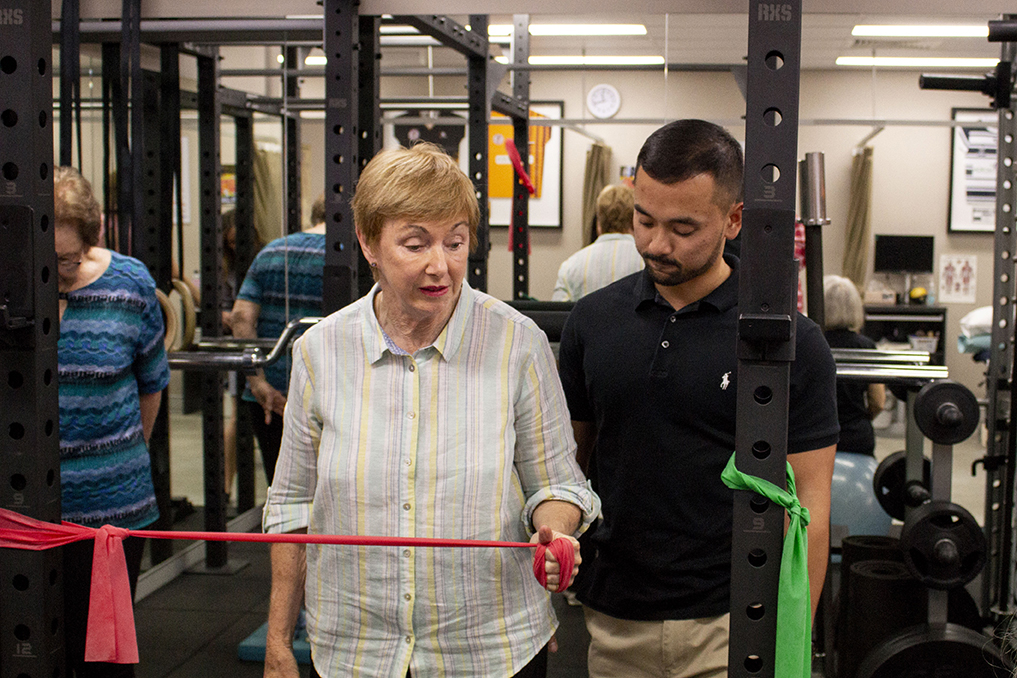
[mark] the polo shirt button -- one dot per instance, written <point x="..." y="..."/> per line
<point x="412" y="367"/>
<point x="673" y="318"/>
<point x="406" y="506"/>
<point x="406" y="553"/>
<point x="409" y="462"/>
<point x="407" y="596"/>
<point x="412" y="415"/>
<point x="409" y="639"/>
<point x="665" y="344"/>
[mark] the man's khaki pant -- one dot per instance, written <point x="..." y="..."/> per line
<point x="683" y="648"/>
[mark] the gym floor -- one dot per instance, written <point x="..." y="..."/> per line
<point x="193" y="626"/>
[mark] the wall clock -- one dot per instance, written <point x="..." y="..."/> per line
<point x="603" y="101"/>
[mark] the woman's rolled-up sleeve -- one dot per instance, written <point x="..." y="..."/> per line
<point x="545" y="454"/>
<point x="288" y="506"/>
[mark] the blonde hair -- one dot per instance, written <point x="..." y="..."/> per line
<point x="842" y="304"/>
<point x="75" y="204"/>
<point x="614" y="209"/>
<point x="422" y="183"/>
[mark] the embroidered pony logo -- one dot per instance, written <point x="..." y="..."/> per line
<point x="724" y="381"/>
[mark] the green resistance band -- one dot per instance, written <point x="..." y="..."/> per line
<point x="794" y="605"/>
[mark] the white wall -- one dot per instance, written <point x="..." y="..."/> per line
<point x="911" y="171"/>
<point x="910" y="178"/>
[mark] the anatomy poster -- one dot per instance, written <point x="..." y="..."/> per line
<point x="957" y="275"/>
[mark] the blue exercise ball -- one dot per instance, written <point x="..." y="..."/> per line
<point x="853" y="502"/>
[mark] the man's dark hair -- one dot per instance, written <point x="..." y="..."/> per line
<point x="683" y="149"/>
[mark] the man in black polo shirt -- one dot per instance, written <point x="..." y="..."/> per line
<point x="650" y="372"/>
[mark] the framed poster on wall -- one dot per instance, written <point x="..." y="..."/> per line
<point x="973" y="171"/>
<point x="545" y="165"/>
<point x="448" y="129"/>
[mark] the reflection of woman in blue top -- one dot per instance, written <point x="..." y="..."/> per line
<point x="112" y="370"/>
<point x="282" y="284"/>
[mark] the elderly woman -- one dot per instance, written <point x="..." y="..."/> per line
<point x="112" y="370"/>
<point x="857" y="404"/>
<point x="425" y="409"/>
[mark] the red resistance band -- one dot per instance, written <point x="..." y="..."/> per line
<point x="111" y="637"/>
<point x="524" y="177"/>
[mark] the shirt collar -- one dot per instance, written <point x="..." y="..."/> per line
<point x="448" y="341"/>
<point x="722" y="298"/>
<point x="607" y="237"/>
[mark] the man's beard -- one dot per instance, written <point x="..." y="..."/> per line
<point x="680" y="274"/>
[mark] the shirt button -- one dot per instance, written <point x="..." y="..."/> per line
<point x="406" y="506"/>
<point x="406" y="553"/>
<point x="409" y="639"/>
<point x="409" y="462"/>
<point x="673" y="318"/>
<point x="665" y="344"/>
<point x="412" y="415"/>
<point x="412" y="367"/>
<point x="407" y="596"/>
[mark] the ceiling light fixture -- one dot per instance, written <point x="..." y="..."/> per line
<point x="397" y="29"/>
<point x="505" y="30"/>
<point x="591" y="60"/>
<point x="886" y="31"/>
<point x="315" y="60"/>
<point x="916" y="62"/>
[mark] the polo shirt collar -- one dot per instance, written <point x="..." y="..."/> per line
<point x="448" y="341"/>
<point x="723" y="298"/>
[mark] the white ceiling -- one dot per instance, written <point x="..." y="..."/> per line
<point x="693" y="32"/>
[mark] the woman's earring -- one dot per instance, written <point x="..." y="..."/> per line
<point x="374" y="265"/>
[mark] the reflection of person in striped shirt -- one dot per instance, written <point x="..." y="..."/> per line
<point x="424" y="409"/>
<point x="610" y="257"/>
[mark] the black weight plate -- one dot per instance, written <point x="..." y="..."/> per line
<point x="941" y="651"/>
<point x="946" y="412"/>
<point x="943" y="545"/>
<point x="890" y="479"/>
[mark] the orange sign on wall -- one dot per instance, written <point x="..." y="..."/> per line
<point x="500" y="173"/>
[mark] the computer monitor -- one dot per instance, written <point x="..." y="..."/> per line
<point x="903" y="254"/>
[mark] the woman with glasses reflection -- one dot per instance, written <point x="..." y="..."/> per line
<point x="112" y="370"/>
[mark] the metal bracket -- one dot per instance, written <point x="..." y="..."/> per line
<point x="447" y="32"/>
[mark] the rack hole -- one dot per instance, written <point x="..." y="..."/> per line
<point x="22" y="632"/>
<point x="772" y="117"/>
<point x="770" y="174"/>
<point x="15" y="379"/>
<point x="757" y="557"/>
<point x="10" y="171"/>
<point x="755" y="611"/>
<point x="774" y="60"/>
<point x="753" y="663"/>
<point x="759" y="504"/>
<point x="18" y="482"/>
<point x="9" y="118"/>
<point x="16" y="431"/>
<point x="8" y="64"/>
<point x="761" y="449"/>
<point x="762" y="395"/>
<point x="21" y="582"/>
